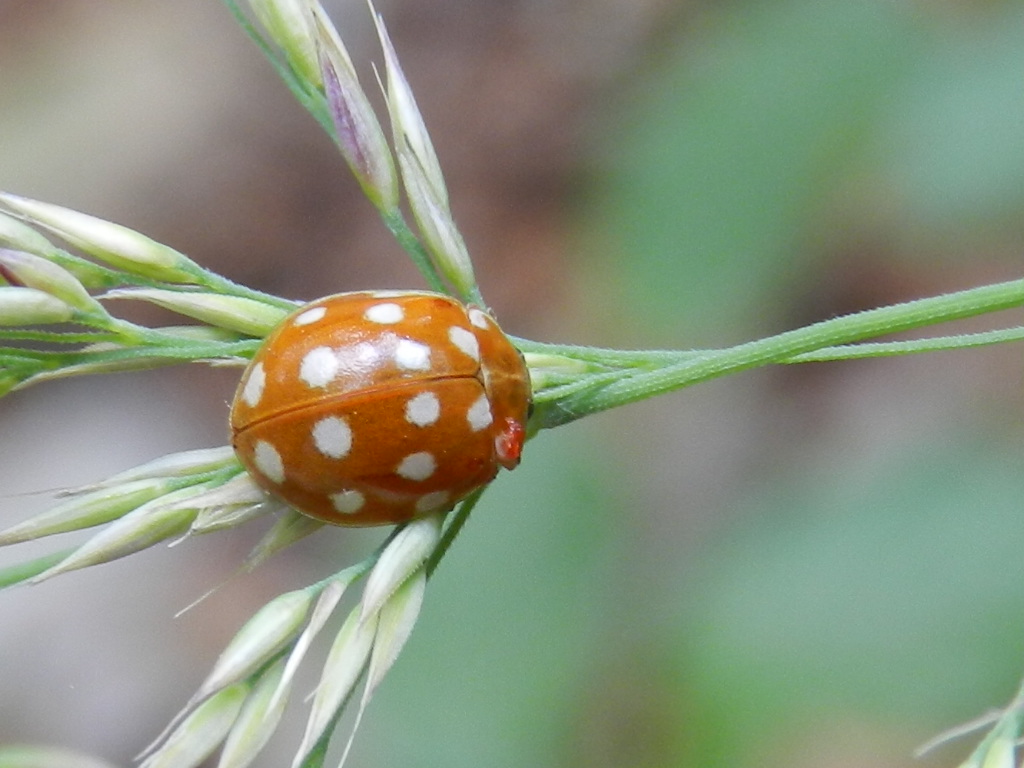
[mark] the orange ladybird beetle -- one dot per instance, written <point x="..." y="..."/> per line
<point x="376" y="407"/>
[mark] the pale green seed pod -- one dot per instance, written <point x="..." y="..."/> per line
<point x="231" y="504"/>
<point x="153" y="522"/>
<point x="33" y="271"/>
<point x="394" y="625"/>
<point x="262" y="636"/>
<point x="30" y="306"/>
<point x="397" y="618"/>
<point x="256" y="722"/>
<point x="287" y="24"/>
<point x="421" y="172"/>
<point x="406" y="119"/>
<point x="345" y="664"/>
<point x="19" y="236"/>
<point x="1000" y="754"/>
<point x="440" y="235"/>
<point x="291" y="526"/>
<point x="404" y="555"/>
<point x="173" y="465"/>
<point x="328" y="600"/>
<point x="201" y="732"/>
<point x="357" y="130"/>
<point x="112" y="243"/>
<point x="233" y="312"/>
<point x="86" y="510"/>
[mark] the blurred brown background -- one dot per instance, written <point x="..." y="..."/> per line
<point x="811" y="566"/>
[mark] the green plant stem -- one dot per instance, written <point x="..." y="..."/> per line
<point x="1007" y="726"/>
<point x="20" y="572"/>
<point x="459" y="518"/>
<point x="916" y="346"/>
<point x="620" y="358"/>
<point x="398" y="227"/>
<point x="220" y="284"/>
<point x="32" y="366"/>
<point x="634" y="384"/>
<point x="314" y="103"/>
<point x="56" y="337"/>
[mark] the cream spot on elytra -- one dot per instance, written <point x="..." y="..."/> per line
<point x="253" y="389"/>
<point x="319" y="367"/>
<point x="268" y="461"/>
<point x="417" y="466"/>
<point x="423" y="410"/>
<point x="465" y="341"/>
<point x="432" y="502"/>
<point x="393" y="498"/>
<point x="479" y="414"/>
<point x="332" y="437"/>
<point x="478" y="318"/>
<point x="348" y="502"/>
<point x="310" y="316"/>
<point x="412" y="355"/>
<point x="385" y="314"/>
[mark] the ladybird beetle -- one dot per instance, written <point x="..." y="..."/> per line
<point x="376" y="407"/>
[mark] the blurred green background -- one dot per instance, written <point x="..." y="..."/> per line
<point x="810" y="566"/>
